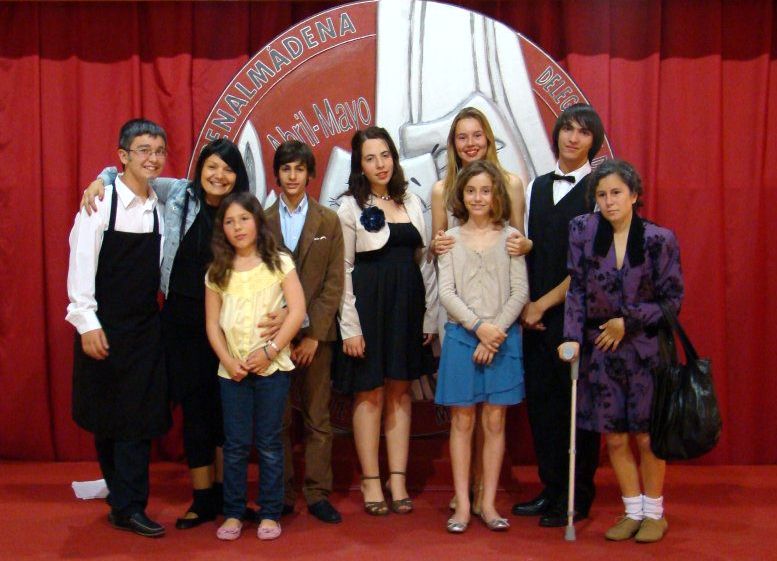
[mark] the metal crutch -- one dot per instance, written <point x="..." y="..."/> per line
<point x="568" y="355"/>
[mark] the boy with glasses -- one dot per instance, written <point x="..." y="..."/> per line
<point x="119" y="383"/>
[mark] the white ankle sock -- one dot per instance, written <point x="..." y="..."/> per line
<point x="653" y="508"/>
<point x="634" y="509"/>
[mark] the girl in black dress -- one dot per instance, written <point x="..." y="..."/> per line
<point x="388" y="312"/>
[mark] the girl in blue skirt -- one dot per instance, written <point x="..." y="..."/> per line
<point x="483" y="289"/>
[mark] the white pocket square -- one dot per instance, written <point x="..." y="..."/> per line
<point x="319" y="238"/>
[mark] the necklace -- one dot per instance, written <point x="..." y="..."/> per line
<point x="385" y="197"/>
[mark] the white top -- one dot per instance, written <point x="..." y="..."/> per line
<point x="488" y="284"/>
<point x="560" y="189"/>
<point x="133" y="215"/>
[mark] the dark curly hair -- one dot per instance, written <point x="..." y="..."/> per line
<point x="223" y="252"/>
<point x="622" y="169"/>
<point x="358" y="185"/>
<point x="500" y="201"/>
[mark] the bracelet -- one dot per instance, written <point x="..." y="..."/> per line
<point x="478" y="323"/>
<point x="273" y="345"/>
<point x="266" y="353"/>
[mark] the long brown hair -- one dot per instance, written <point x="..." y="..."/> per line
<point x="500" y="198"/>
<point x="358" y="185"/>
<point x="454" y="161"/>
<point x="223" y="252"/>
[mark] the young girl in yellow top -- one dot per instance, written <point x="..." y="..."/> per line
<point x="249" y="278"/>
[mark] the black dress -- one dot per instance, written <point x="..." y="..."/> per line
<point x="192" y="365"/>
<point x="390" y="301"/>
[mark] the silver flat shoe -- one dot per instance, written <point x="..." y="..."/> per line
<point x="496" y="524"/>
<point x="456" y="527"/>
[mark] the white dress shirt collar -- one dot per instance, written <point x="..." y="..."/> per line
<point x="128" y="198"/>
<point x="578" y="174"/>
<point x="561" y="188"/>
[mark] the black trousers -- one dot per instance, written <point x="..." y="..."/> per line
<point x="548" y="399"/>
<point x="192" y="368"/>
<point x="124" y="464"/>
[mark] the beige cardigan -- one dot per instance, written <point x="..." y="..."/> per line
<point x="357" y="239"/>
<point x="487" y="285"/>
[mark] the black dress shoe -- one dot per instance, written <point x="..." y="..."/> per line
<point x="557" y="518"/>
<point x="537" y="506"/>
<point x="325" y="512"/>
<point x="139" y="523"/>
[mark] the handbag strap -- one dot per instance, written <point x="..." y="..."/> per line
<point x="674" y="323"/>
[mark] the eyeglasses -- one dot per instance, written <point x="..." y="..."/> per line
<point x="146" y="153"/>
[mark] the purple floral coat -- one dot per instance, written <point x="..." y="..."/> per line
<point x="615" y="388"/>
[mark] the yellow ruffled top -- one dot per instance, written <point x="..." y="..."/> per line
<point x="247" y="298"/>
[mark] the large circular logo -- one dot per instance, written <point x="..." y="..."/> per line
<point x="408" y="66"/>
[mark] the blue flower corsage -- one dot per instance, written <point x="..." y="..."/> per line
<point x="373" y="219"/>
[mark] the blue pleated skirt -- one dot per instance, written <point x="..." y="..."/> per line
<point x="462" y="382"/>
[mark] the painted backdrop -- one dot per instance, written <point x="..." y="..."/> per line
<point x="685" y="90"/>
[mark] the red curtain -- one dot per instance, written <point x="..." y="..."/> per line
<point x="685" y="90"/>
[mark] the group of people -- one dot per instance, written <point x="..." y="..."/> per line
<point x="257" y="300"/>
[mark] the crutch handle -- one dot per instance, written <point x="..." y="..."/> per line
<point x="567" y="352"/>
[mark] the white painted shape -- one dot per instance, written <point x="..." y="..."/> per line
<point x="391" y="75"/>
<point x="269" y="199"/>
<point x="335" y="180"/>
<point x="516" y="96"/>
<point x="448" y="72"/>
<point x="249" y="143"/>
<point x="421" y="174"/>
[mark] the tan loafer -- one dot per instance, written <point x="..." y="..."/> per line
<point x="624" y="529"/>
<point x="652" y="530"/>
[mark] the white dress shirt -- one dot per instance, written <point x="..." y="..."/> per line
<point x="560" y="189"/>
<point x="133" y="215"/>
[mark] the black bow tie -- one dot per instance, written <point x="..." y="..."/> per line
<point x="570" y="178"/>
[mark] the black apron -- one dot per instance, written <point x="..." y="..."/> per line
<point x="124" y="397"/>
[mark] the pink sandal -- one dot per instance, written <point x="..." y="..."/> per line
<point x="269" y="533"/>
<point x="229" y="533"/>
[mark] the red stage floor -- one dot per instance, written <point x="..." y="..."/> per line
<point x="715" y="513"/>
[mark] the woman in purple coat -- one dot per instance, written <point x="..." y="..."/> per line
<point x="621" y="266"/>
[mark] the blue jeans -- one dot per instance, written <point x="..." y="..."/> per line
<point x="254" y="408"/>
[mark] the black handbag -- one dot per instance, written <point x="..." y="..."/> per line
<point x="685" y="420"/>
